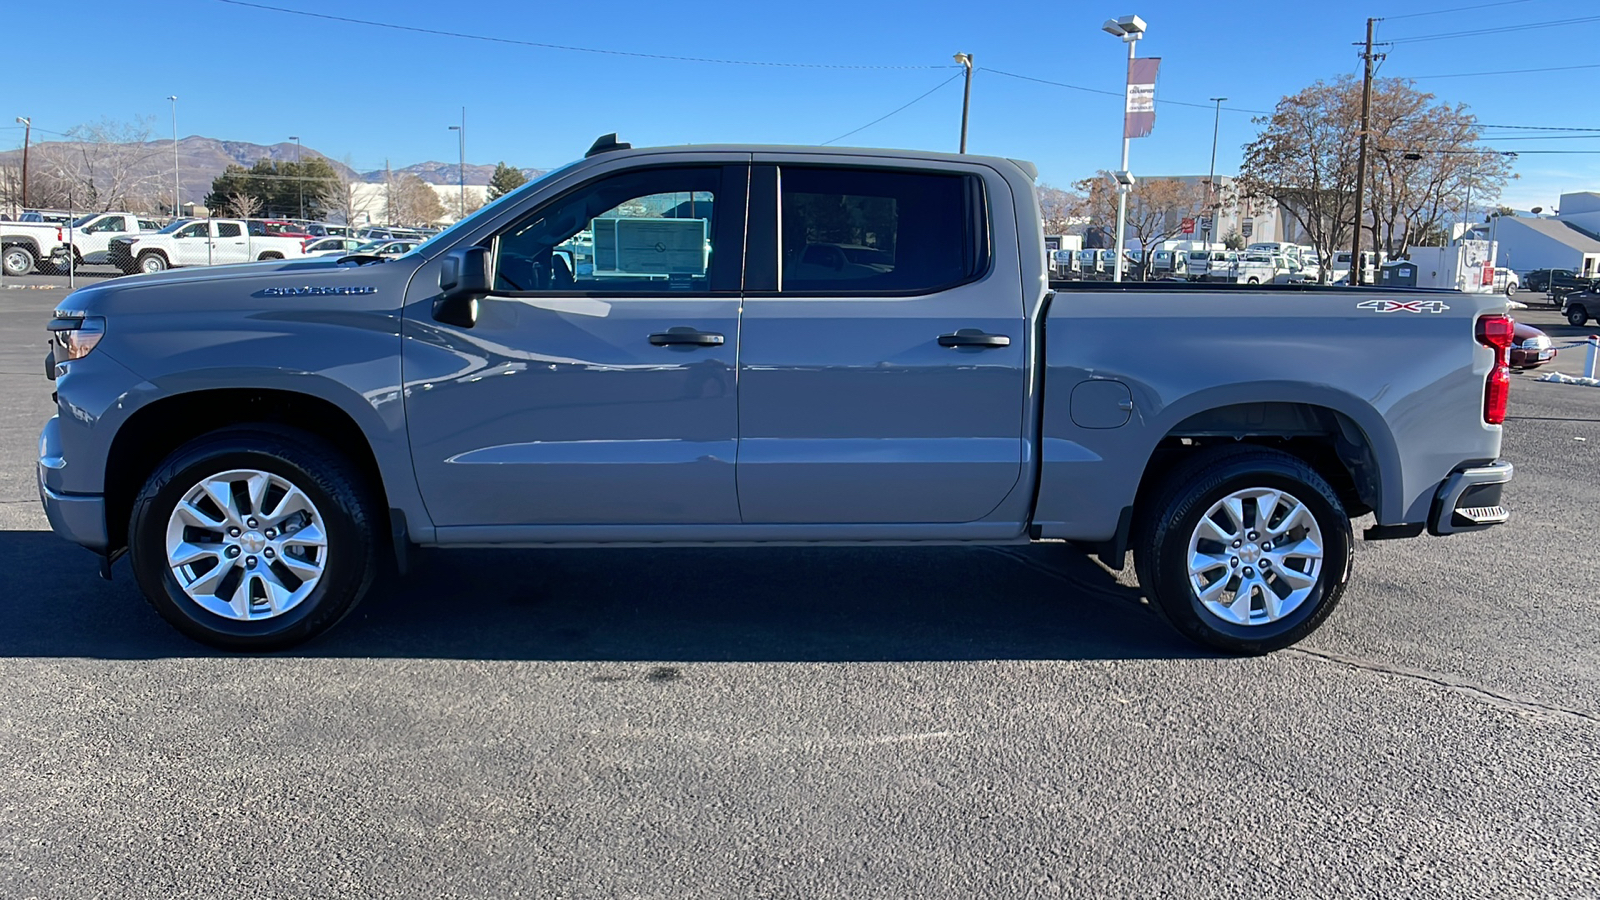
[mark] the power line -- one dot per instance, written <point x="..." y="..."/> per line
<point x="897" y="109"/>
<point x="1535" y="127"/>
<point x="1075" y="87"/>
<point x="1440" y="12"/>
<point x="568" y="47"/>
<point x="1502" y="72"/>
<point x="1528" y="26"/>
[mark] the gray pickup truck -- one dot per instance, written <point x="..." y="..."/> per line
<point x="758" y="345"/>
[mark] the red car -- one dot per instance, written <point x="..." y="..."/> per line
<point x="1530" y="348"/>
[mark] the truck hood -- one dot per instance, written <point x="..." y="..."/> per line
<point x="318" y="281"/>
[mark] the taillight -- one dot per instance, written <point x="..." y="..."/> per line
<point x="1496" y="333"/>
<point x="58" y="233"/>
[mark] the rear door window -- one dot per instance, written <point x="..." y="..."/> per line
<point x="874" y="231"/>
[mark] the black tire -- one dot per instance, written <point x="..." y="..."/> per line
<point x="1252" y="280"/>
<point x="355" y="550"/>
<point x="150" y="262"/>
<point x="1173" y="513"/>
<point x="1577" y="315"/>
<point x="18" y="260"/>
<point x="269" y="255"/>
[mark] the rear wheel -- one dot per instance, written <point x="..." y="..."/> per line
<point x="1246" y="550"/>
<point x="1252" y="280"/>
<point x="251" y="540"/>
<point x="1577" y="315"/>
<point x="18" y="260"/>
<point x="269" y="255"/>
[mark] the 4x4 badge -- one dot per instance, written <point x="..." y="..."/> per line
<point x="1411" y="306"/>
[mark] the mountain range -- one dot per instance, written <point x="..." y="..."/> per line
<point x="201" y="159"/>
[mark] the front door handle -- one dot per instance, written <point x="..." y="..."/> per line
<point x="972" y="337"/>
<point x="686" y="337"/>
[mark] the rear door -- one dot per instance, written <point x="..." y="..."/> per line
<point x="882" y="345"/>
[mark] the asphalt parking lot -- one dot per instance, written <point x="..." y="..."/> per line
<point x="841" y="723"/>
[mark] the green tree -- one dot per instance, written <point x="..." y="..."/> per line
<point x="505" y="180"/>
<point x="279" y="187"/>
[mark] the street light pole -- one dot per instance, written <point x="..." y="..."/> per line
<point x="176" y="199"/>
<point x="461" y="169"/>
<point x="966" y="98"/>
<point x="299" y="174"/>
<point x="1211" y="180"/>
<point x="27" y="134"/>
<point x="1129" y="29"/>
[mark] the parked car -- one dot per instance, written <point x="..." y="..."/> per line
<point x="261" y="438"/>
<point x="323" y="229"/>
<point x="1530" y="347"/>
<point x="275" y="228"/>
<point x="1506" y="281"/>
<point x="340" y="245"/>
<point x="1581" y="306"/>
<point x="387" y="248"/>
<point x="50" y="216"/>
<point x="1556" y="281"/>
<point x="24" y="244"/>
<point x="201" y="242"/>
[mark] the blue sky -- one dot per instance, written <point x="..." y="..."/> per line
<point x="260" y="76"/>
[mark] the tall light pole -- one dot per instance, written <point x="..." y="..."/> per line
<point x="1211" y="180"/>
<point x="461" y="171"/>
<point x="966" y="97"/>
<point x="27" y="134"/>
<point x="299" y="174"/>
<point x="1130" y="29"/>
<point x="176" y="199"/>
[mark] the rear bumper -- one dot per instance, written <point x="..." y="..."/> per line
<point x="1469" y="500"/>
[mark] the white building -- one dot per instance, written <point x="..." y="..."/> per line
<point x="1570" y="240"/>
<point x="369" y="201"/>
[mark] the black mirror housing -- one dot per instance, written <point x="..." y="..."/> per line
<point x="463" y="278"/>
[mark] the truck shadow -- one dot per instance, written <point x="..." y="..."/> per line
<point x="723" y="605"/>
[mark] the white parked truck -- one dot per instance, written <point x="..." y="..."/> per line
<point x="199" y="242"/>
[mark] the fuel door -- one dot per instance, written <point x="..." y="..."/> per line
<point x="1101" y="404"/>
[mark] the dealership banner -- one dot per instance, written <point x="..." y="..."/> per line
<point x="1140" y="118"/>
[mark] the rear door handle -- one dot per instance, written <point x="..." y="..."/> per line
<point x="686" y="337"/>
<point x="972" y="337"/>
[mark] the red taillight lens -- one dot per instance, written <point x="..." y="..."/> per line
<point x="1497" y="333"/>
<point x="58" y="234"/>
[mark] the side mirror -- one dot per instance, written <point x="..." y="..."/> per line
<point x="463" y="278"/>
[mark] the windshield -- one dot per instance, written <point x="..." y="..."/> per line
<point x="81" y="221"/>
<point x="174" y="226"/>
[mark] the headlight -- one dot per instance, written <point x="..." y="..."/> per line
<point x="74" y="338"/>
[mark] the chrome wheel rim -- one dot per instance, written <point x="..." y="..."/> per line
<point x="17" y="262"/>
<point x="150" y="264"/>
<point x="1255" y="556"/>
<point x="247" y="544"/>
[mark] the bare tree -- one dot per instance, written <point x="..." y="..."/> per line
<point x="102" y="166"/>
<point x="1059" y="209"/>
<point x="1424" y="158"/>
<point x="1304" y="159"/>
<point x="1156" y="206"/>
<point x="413" y="201"/>
<point x="243" y="206"/>
<point x="349" y="202"/>
<point x="458" y="212"/>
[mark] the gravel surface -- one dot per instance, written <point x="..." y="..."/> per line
<point x="823" y="723"/>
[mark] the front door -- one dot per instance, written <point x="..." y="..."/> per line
<point x="883" y="381"/>
<point x="191" y="245"/>
<point x="597" y="386"/>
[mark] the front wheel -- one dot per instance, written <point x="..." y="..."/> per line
<point x="1245" y="550"/>
<point x="1577" y="315"/>
<point x="247" y="539"/>
<point x="152" y="262"/>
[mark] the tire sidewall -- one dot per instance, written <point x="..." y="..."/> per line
<point x="1190" y="615"/>
<point x="348" y="551"/>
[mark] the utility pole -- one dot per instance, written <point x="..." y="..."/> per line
<point x="1211" y="180"/>
<point x="1361" y="156"/>
<point x="966" y="98"/>
<point x="388" y="191"/>
<point x="27" y="134"/>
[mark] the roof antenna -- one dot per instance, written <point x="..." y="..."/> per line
<point x="606" y="143"/>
